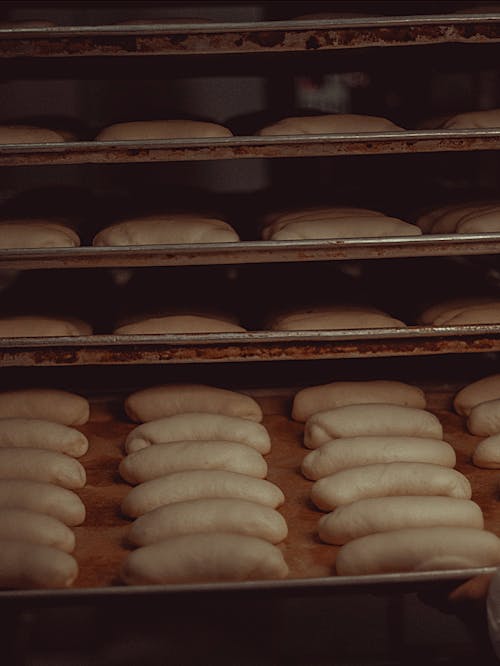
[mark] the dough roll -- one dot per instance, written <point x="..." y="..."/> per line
<point x="484" y="419"/>
<point x="25" y="565"/>
<point x="374" y="419"/>
<point x="388" y="479"/>
<point x="178" y="324"/>
<point x="47" y="498"/>
<point x="357" y="451"/>
<point x="146" y="130"/>
<point x="199" y="484"/>
<point x="23" y="525"/>
<point x="199" y="426"/>
<point x="40" y="434"/>
<point x="235" y="516"/>
<point x="162" y="459"/>
<point x="27" y="233"/>
<point x="157" y="402"/>
<point x="204" y="558"/>
<point x="41" y="465"/>
<point x="49" y="404"/>
<point x="473" y="394"/>
<point x="38" y="326"/>
<point x="419" y="549"/>
<point x="331" y="123"/>
<point x="383" y="514"/>
<point x="487" y="453"/>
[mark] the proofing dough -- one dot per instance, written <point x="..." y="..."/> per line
<point x="41" y="465"/>
<point x="25" y="565"/>
<point x="334" y="318"/>
<point x="329" y="124"/>
<point x="375" y="226"/>
<point x="277" y="220"/>
<point x="204" y="558"/>
<point x="439" y="313"/>
<point x="374" y="419"/>
<point x="199" y="426"/>
<point x="165" y="230"/>
<point x="388" y="479"/>
<point x="35" y="527"/>
<point x="40" y="434"/>
<point x="315" y="399"/>
<point x="178" y="324"/>
<point x="474" y="120"/>
<point x="357" y="451"/>
<point x="473" y="394"/>
<point x="484" y="419"/>
<point x="47" y="498"/>
<point x="160" y="401"/>
<point x="37" y="326"/>
<point x="50" y="404"/>
<point x="487" y="453"/>
<point x="29" y="134"/>
<point x="199" y="484"/>
<point x="30" y="233"/>
<point x="419" y="549"/>
<point x="146" y="130"/>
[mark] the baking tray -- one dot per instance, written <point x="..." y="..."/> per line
<point x="252" y="252"/>
<point x="254" y="37"/>
<point x="246" y="147"/>
<point x="101" y="541"/>
<point x="249" y="346"/>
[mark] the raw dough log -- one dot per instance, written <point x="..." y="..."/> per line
<point x="487" y="453"/>
<point x="47" y="498"/>
<point x="333" y="123"/>
<point x="34" y="326"/>
<point x="388" y="479"/>
<point x="144" y="130"/>
<point x="233" y="516"/>
<point x="24" y="525"/>
<point x="157" y="402"/>
<point x="315" y="399"/>
<point x="373" y="419"/>
<point x="199" y="426"/>
<point x="25" y="565"/>
<point x="166" y="229"/>
<point x="439" y="313"/>
<point x="483" y="390"/>
<point x="41" y="434"/>
<point x="419" y="549"/>
<point x="487" y="221"/>
<point x="474" y="120"/>
<point x="36" y="233"/>
<point x="276" y="220"/>
<point x="357" y="451"/>
<point x="204" y="558"/>
<point x="383" y="514"/>
<point x="178" y="324"/>
<point x="334" y="318"/>
<point x="30" y="134"/>
<point x="40" y="465"/>
<point x="50" y="404"/>
<point x="156" y="461"/>
<point x="375" y="226"/>
<point x="484" y="419"/>
<point x="199" y="484"/>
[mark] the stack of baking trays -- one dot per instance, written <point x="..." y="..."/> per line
<point x="303" y="290"/>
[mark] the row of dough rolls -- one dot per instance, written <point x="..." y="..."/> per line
<point x="203" y="510"/>
<point x="385" y="475"/>
<point x="39" y="474"/>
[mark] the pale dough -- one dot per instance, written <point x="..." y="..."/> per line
<point x="41" y="465"/>
<point x="146" y="130"/>
<point x="37" y="326"/>
<point x="199" y="484"/>
<point x="484" y="419"/>
<point x="487" y="388"/>
<point x="35" y="527"/>
<point x="41" y="434"/>
<point x="357" y="451"/>
<point x="178" y="324"/>
<point x="277" y="220"/>
<point x="487" y="221"/>
<point x="236" y="516"/>
<point x="334" y="318"/>
<point x="439" y="313"/>
<point x="42" y="403"/>
<point x="383" y="514"/>
<point x="333" y="123"/>
<point x="474" y="120"/>
<point x="487" y="453"/>
<point x="372" y="419"/>
<point x="25" y="565"/>
<point x="156" y="461"/>
<point x="47" y="498"/>
<point x="157" y="402"/>
<point x="200" y="558"/>
<point x="36" y="234"/>
<point x="165" y="230"/>
<point x="199" y="426"/>
<point x="479" y="314"/>
<point x="376" y="226"/>
<point x="16" y="134"/>
<point x="388" y="479"/>
<point x="321" y="398"/>
<point x="419" y="549"/>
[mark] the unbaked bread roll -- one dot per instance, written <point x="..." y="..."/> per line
<point x="29" y="134"/>
<point x="373" y="419"/>
<point x="376" y="226"/>
<point x="321" y="398"/>
<point x="333" y="123"/>
<point x="419" y="549"/>
<point x="235" y="516"/>
<point x="479" y="314"/>
<point x="487" y="453"/>
<point x="183" y="20"/>
<point x="204" y="558"/>
<point x="157" y="402"/>
<point x="42" y="403"/>
<point x="275" y="221"/>
<point x="25" y="565"/>
<point x="485" y="222"/>
<point x="484" y="419"/>
<point x="41" y="434"/>
<point x="383" y="514"/>
<point x="35" y="527"/>
<point x="448" y="222"/>
<point x="334" y="318"/>
<point x="199" y="426"/>
<point x="357" y="451"/>
<point x="474" y="120"/>
<point x="37" y="326"/>
<point x="199" y="484"/>
<point x="29" y="233"/>
<point x="165" y="230"/>
<point x="441" y="312"/>
<point x="386" y="480"/>
<point x="41" y="465"/>
<point x="178" y="324"/>
<point x="156" y="461"/>
<point x="487" y="388"/>
<point x="47" y="498"/>
<point x="146" y="130"/>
